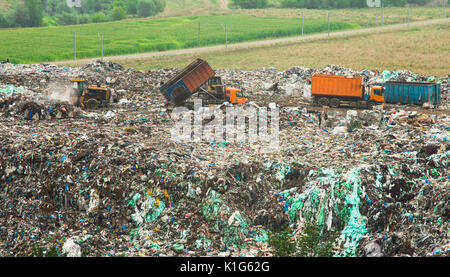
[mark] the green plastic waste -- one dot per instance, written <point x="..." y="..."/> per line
<point x="10" y="89"/>
<point x="261" y="236"/>
<point x="233" y="232"/>
<point x="178" y="247"/>
<point x="356" y="227"/>
<point x="203" y="243"/>
<point x="135" y="199"/>
<point x="155" y="211"/>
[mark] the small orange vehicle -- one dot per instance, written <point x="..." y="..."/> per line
<point x="199" y="78"/>
<point x="221" y="93"/>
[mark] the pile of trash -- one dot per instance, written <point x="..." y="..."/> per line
<point x="112" y="182"/>
<point x="19" y="102"/>
<point x="260" y="80"/>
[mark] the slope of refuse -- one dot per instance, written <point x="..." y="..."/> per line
<point x="111" y="182"/>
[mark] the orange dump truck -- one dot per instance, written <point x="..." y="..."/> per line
<point x="335" y="90"/>
<point x="199" y="77"/>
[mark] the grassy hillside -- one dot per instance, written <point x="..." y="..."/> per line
<point x="364" y="17"/>
<point x="422" y="50"/>
<point x="165" y="32"/>
<point x="29" y="45"/>
<point x="191" y="7"/>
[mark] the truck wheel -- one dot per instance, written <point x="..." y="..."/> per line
<point x="92" y="104"/>
<point x="371" y="104"/>
<point x="323" y="101"/>
<point x="334" y="102"/>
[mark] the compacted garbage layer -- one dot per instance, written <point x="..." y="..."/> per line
<point x="122" y="187"/>
<point x="112" y="182"/>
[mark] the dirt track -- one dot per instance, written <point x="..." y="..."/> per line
<point x="260" y="43"/>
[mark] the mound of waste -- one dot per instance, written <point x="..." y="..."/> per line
<point x="112" y="182"/>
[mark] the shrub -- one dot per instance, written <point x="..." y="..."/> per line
<point x="66" y="18"/>
<point x="251" y="4"/>
<point x="160" y="5"/>
<point x="117" y="13"/>
<point x="18" y="17"/>
<point x="3" y="22"/>
<point x="35" y="12"/>
<point x="49" y="21"/>
<point x="83" y="19"/>
<point x="282" y="243"/>
<point x="99" y="17"/>
<point x="146" y="8"/>
<point x="132" y="6"/>
<point x="310" y="244"/>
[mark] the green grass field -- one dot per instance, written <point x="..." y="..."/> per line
<point x="367" y="17"/>
<point x="423" y="50"/>
<point x="166" y="32"/>
<point x="28" y="45"/>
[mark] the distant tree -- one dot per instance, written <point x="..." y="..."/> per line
<point x="35" y="12"/>
<point x="358" y="3"/>
<point x="18" y="17"/>
<point x="3" y="21"/>
<point x="99" y="17"/>
<point x="93" y="5"/>
<point x="83" y="19"/>
<point x="146" y="8"/>
<point x="132" y="6"/>
<point x="118" y="13"/>
<point x="160" y="5"/>
<point x="290" y="4"/>
<point x="251" y="4"/>
<point x="328" y="4"/>
<point x="66" y="18"/>
<point x="342" y="4"/>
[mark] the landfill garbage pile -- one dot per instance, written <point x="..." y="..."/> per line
<point x="261" y="79"/>
<point x="293" y="82"/>
<point x="137" y="89"/>
<point x="112" y="182"/>
<point x="132" y="85"/>
<point x="20" y="102"/>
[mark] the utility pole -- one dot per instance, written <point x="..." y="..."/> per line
<point x="302" y="22"/>
<point x="74" y="45"/>
<point x="444" y="2"/>
<point x="226" y="35"/>
<point x="101" y="38"/>
<point x="408" y="14"/>
<point x="328" y="23"/>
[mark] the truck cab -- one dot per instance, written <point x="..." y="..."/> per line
<point x="235" y="96"/>
<point x="377" y="94"/>
<point x="230" y="94"/>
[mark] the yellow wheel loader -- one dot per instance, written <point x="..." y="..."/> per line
<point x="90" y="97"/>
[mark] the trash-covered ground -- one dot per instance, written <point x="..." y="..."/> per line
<point x="111" y="182"/>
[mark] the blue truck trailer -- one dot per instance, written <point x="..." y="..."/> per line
<point x="411" y="93"/>
<point x="181" y="86"/>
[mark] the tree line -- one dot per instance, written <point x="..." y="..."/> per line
<point x="322" y="4"/>
<point x="33" y="13"/>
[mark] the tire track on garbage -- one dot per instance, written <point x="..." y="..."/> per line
<point x="260" y="43"/>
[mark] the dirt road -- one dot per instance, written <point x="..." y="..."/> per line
<point x="254" y="44"/>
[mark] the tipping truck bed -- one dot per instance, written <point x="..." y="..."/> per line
<point x="181" y="86"/>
